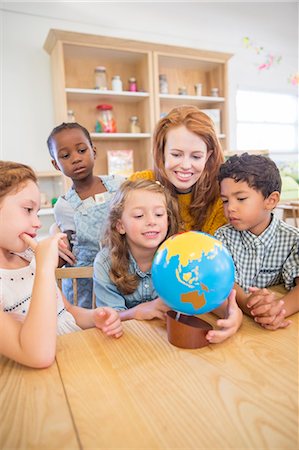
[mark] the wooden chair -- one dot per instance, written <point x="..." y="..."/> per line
<point x="290" y="210"/>
<point x="75" y="273"/>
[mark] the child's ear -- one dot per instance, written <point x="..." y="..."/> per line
<point x="120" y="228"/>
<point x="272" y="200"/>
<point x="54" y="163"/>
<point x="94" y="151"/>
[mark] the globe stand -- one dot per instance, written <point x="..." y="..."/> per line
<point x="187" y="331"/>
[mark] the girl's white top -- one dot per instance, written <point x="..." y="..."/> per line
<point x="15" y="295"/>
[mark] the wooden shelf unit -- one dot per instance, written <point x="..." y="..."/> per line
<point x="74" y="57"/>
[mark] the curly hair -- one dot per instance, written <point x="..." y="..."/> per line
<point x="13" y="176"/>
<point x="206" y="190"/>
<point x="62" y="127"/>
<point x="125" y="281"/>
<point x="258" y="171"/>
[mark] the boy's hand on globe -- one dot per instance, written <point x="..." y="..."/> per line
<point x="228" y="326"/>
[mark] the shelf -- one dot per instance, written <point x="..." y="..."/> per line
<point x="191" y="99"/>
<point x="77" y="94"/>
<point x="118" y="136"/>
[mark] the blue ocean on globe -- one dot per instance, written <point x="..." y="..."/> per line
<point x="193" y="272"/>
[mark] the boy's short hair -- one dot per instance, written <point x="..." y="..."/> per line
<point x="259" y="172"/>
<point x="62" y="127"/>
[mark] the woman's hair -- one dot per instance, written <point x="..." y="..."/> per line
<point x="206" y="190"/>
<point x="127" y="282"/>
<point x="13" y="176"/>
<point x="258" y="171"/>
<point x="62" y="127"/>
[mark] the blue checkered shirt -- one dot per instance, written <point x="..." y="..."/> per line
<point x="265" y="260"/>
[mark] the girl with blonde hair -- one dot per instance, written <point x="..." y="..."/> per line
<point x="142" y="215"/>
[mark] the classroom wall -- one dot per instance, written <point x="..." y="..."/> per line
<point x="26" y="96"/>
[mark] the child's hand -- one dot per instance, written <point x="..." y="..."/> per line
<point x="155" y="309"/>
<point x="267" y="310"/>
<point x="65" y="252"/>
<point x="46" y="250"/>
<point x="228" y="326"/>
<point x="108" y="320"/>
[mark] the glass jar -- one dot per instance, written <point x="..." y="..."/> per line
<point x="163" y="84"/>
<point x="214" y="92"/>
<point x="132" y="84"/>
<point x="105" y="121"/>
<point x="71" y="116"/>
<point x="117" y="84"/>
<point x="100" y="78"/>
<point x="134" y="125"/>
<point x="182" y="90"/>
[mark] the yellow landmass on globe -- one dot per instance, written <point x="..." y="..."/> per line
<point x="188" y="249"/>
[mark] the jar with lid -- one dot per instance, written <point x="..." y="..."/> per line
<point x="71" y="116"/>
<point x="105" y="122"/>
<point x="163" y="84"/>
<point x="134" y="125"/>
<point x="132" y="84"/>
<point x="117" y="84"/>
<point x="214" y="92"/>
<point x="100" y="78"/>
<point x="182" y="90"/>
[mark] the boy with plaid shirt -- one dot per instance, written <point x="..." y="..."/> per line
<point x="265" y="249"/>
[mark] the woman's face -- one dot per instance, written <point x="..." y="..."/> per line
<point x="185" y="155"/>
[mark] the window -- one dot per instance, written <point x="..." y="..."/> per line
<point x="267" y="121"/>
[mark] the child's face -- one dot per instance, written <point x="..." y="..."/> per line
<point x="74" y="156"/>
<point x="185" y="156"/>
<point x="244" y="207"/>
<point x="144" y="220"/>
<point x="18" y="214"/>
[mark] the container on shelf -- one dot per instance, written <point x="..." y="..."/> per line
<point x="134" y="125"/>
<point x="198" y="89"/>
<point x="214" y="92"/>
<point x="117" y="84"/>
<point x="100" y="78"/>
<point x="163" y="84"/>
<point x="71" y="116"/>
<point x="132" y="84"/>
<point x="105" y="121"/>
<point x="182" y="90"/>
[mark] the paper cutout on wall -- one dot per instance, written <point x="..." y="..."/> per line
<point x="269" y="59"/>
<point x="294" y="79"/>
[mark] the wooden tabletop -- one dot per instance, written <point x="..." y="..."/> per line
<point x="140" y="392"/>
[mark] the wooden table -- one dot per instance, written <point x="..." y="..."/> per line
<point x="140" y="392"/>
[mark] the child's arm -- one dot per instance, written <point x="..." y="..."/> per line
<point x="65" y="251"/>
<point x="154" y="309"/>
<point x="231" y="322"/>
<point x="107" y="319"/>
<point x="33" y="342"/>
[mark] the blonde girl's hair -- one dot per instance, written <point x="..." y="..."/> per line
<point x="125" y="281"/>
<point x="206" y="190"/>
<point x="13" y="176"/>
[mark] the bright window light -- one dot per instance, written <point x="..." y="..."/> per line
<point x="267" y="121"/>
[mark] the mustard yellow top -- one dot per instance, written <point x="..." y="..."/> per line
<point x="215" y="217"/>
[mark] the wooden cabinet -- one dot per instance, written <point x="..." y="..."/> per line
<point x="74" y="57"/>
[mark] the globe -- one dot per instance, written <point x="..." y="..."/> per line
<point x="193" y="272"/>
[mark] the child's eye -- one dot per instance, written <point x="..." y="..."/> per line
<point x="138" y="216"/>
<point x="65" y="156"/>
<point x="224" y="201"/>
<point x="82" y="150"/>
<point x="241" y="199"/>
<point x="28" y="210"/>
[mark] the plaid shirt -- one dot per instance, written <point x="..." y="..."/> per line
<point x="265" y="260"/>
